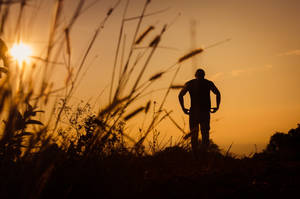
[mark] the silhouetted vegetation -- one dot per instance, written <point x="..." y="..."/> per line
<point x="118" y="172"/>
<point x="79" y="152"/>
<point x="283" y="146"/>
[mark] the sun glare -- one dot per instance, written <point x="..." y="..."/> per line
<point x="21" y="53"/>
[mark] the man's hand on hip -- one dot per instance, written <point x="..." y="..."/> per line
<point x="213" y="110"/>
<point x="186" y="111"/>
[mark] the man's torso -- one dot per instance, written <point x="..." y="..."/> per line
<point x="199" y="91"/>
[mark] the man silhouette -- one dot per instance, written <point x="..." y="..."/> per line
<point x="199" y="90"/>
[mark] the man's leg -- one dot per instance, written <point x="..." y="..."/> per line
<point x="205" y="136"/>
<point x="205" y="127"/>
<point x="194" y="128"/>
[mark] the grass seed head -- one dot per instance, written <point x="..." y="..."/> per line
<point x="155" y="41"/>
<point x="175" y="87"/>
<point x="189" y="55"/>
<point x="133" y="113"/>
<point x="147" y="107"/>
<point x="156" y="76"/>
<point x="145" y="33"/>
<point x="110" y="11"/>
<point x="68" y="43"/>
<point x="164" y="28"/>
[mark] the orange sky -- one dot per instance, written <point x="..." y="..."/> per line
<point x="257" y="72"/>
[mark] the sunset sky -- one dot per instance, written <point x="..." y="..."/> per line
<point x="257" y="71"/>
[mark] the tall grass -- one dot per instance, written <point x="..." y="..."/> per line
<point x="21" y="94"/>
<point x="27" y="92"/>
<point x="75" y="145"/>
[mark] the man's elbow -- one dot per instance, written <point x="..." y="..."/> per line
<point x="180" y="96"/>
<point x="218" y="94"/>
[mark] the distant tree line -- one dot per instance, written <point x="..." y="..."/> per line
<point x="284" y="146"/>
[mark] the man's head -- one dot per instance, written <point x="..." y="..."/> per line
<point x="200" y="74"/>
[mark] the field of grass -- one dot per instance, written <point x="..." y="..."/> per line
<point x="85" y="153"/>
<point x="170" y="173"/>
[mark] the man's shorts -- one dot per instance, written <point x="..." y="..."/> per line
<point x="200" y="117"/>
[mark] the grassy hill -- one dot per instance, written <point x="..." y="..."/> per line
<point x="169" y="173"/>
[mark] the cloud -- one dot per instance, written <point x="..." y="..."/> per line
<point x="250" y="71"/>
<point x="236" y="73"/>
<point x="268" y="66"/>
<point x="291" y="52"/>
<point x="217" y="76"/>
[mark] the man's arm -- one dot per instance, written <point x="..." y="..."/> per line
<point x="182" y="93"/>
<point x="216" y="91"/>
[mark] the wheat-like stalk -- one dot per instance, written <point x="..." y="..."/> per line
<point x="190" y="54"/>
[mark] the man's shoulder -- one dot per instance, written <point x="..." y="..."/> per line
<point x="209" y="82"/>
<point x="190" y="82"/>
<point x="195" y="80"/>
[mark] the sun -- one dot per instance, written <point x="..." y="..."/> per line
<point x="21" y="53"/>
